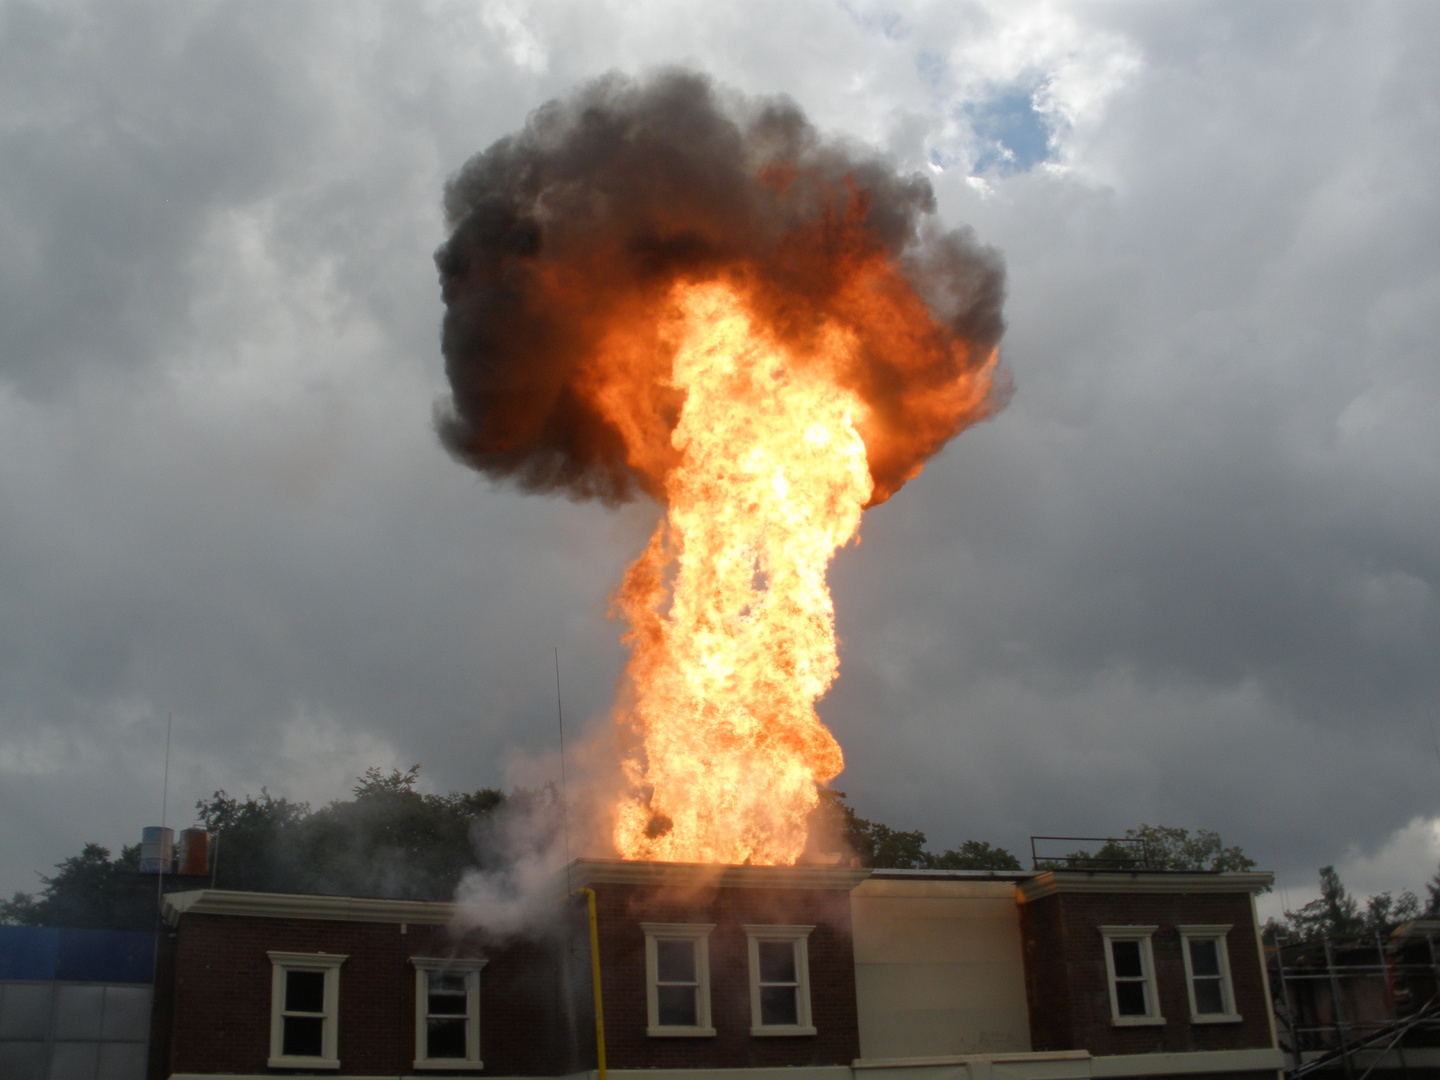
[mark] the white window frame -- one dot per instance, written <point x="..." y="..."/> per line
<point x="470" y="968"/>
<point x="329" y="965"/>
<point x="699" y="934"/>
<point x="1216" y="933"/>
<point x="799" y="937"/>
<point x="1142" y="934"/>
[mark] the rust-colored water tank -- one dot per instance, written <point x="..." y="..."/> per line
<point x="194" y="852"/>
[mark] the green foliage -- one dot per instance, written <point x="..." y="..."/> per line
<point x="81" y="894"/>
<point x="389" y="840"/>
<point x="1383" y="915"/>
<point x="253" y="840"/>
<point x="975" y="855"/>
<point x="878" y="845"/>
<point x="1158" y="847"/>
<point x="1335" y="913"/>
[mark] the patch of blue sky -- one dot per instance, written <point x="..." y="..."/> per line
<point x="934" y="71"/>
<point x="1012" y="135"/>
<point x="945" y="159"/>
<point x="890" y="22"/>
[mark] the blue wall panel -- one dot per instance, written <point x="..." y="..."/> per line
<point x="110" y="956"/>
<point x="28" y="952"/>
<point x="44" y="953"/>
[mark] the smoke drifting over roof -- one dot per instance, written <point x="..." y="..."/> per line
<point x="568" y="237"/>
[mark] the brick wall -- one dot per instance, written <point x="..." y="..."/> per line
<point x="222" y="979"/>
<point x="1047" y="983"/>
<point x="621" y="909"/>
<point x="1065" y="973"/>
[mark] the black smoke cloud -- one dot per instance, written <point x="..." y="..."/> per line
<point x="581" y="221"/>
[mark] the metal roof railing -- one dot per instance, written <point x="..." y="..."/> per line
<point x="1087" y="860"/>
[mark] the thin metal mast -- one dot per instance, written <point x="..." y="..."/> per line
<point x="564" y="798"/>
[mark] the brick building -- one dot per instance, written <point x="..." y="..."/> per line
<point x="750" y="973"/>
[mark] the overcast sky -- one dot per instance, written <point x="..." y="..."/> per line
<point x="1188" y="576"/>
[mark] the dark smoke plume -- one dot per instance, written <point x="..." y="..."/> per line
<point x="568" y="235"/>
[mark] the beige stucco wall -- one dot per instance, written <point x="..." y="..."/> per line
<point x="938" y="968"/>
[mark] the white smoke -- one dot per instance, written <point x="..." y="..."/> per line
<point x="522" y="897"/>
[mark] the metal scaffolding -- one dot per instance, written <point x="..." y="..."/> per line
<point x="1351" y="1004"/>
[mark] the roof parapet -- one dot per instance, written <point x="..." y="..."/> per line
<point x="304" y="906"/>
<point x="1142" y="881"/>
<point x="586" y="872"/>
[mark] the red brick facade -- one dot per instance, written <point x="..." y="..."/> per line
<point x="536" y="1018"/>
<point x="621" y="910"/>
<point x="213" y="985"/>
<point x="222" y="975"/>
<point x="1066" y="981"/>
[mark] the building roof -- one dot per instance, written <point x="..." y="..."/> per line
<point x="297" y="906"/>
<point x="582" y="873"/>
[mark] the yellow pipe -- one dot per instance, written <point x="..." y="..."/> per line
<point x="595" y="980"/>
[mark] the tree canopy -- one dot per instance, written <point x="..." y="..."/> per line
<point x="882" y="847"/>
<point x="1336" y="913"/>
<point x="388" y="840"/>
<point x="81" y="894"/>
<point x="1158" y="847"/>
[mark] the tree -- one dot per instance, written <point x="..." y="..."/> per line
<point x="1432" y="909"/>
<point x="1383" y="915"/>
<point x="1169" y="848"/>
<point x="1158" y="847"/>
<point x="254" y="841"/>
<point x="81" y="894"/>
<point x="975" y="855"/>
<point x="389" y="840"/>
<point x="1333" y="912"/>
<point x="874" y="844"/>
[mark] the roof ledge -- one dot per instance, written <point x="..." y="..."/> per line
<point x="297" y="906"/>
<point x="586" y="872"/>
<point x="1143" y="881"/>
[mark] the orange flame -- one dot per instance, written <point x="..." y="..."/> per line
<point x="771" y="480"/>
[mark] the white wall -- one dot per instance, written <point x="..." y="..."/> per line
<point x="938" y="968"/>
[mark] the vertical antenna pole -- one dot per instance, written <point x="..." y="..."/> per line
<point x="564" y="800"/>
<point x="164" y="806"/>
<point x="165" y="789"/>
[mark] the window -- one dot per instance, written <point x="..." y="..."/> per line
<point x="1130" y="971"/>
<point x="304" y="1004"/>
<point x="447" y="1013"/>
<point x="1207" y="974"/>
<point x="779" y="980"/>
<point x="677" y="978"/>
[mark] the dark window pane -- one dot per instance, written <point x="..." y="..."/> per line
<point x="777" y="961"/>
<point x="305" y="991"/>
<point x="778" y="1005"/>
<point x="304" y="1036"/>
<point x="675" y="961"/>
<point x="1208" y="998"/>
<point x="1204" y="957"/>
<point x="1130" y="997"/>
<point x="446" y="982"/>
<point x="676" y="1006"/>
<point x="447" y="1004"/>
<point x="1127" y="959"/>
<point x="445" y="1038"/>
